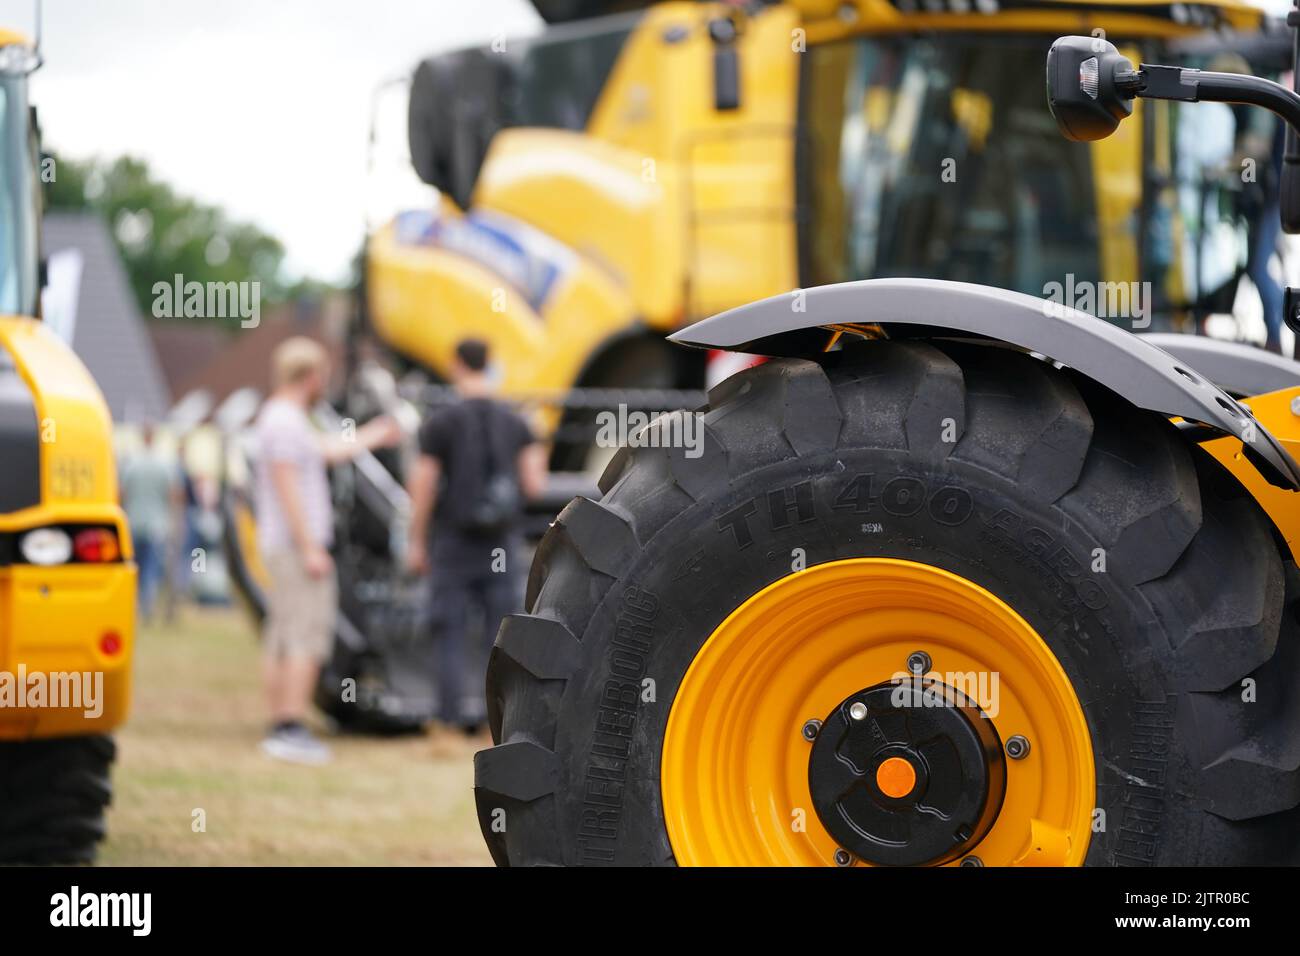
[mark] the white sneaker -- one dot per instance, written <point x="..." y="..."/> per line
<point x="296" y="745"/>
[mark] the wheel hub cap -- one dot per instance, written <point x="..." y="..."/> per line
<point x="915" y="775"/>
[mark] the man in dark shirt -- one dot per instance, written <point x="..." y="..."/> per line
<point x="478" y="462"/>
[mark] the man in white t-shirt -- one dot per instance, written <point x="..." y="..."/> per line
<point x="295" y="528"/>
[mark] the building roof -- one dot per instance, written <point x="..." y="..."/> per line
<point x="185" y="348"/>
<point x="108" y="332"/>
<point x="245" y="358"/>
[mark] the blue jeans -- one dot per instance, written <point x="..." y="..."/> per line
<point x="149" y="554"/>
<point x="1264" y="231"/>
<point x="464" y="591"/>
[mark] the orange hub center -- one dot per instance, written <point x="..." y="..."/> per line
<point x="896" y="777"/>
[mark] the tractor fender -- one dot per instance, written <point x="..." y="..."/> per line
<point x="1144" y="374"/>
<point x="1235" y="367"/>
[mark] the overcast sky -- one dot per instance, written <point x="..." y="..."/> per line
<point x="260" y="106"/>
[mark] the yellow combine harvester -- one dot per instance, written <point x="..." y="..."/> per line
<point x="962" y="576"/>
<point x="67" y="584"/>
<point x="612" y="179"/>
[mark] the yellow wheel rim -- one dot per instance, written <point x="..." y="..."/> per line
<point x="735" y="763"/>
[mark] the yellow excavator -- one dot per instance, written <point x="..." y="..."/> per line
<point x="67" y="581"/>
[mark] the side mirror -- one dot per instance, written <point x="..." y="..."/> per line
<point x="1082" y="92"/>
<point x="726" y="64"/>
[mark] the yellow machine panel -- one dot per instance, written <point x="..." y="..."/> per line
<point x="71" y="618"/>
<point x="1279" y="413"/>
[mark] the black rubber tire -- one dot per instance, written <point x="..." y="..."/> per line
<point x="53" y="794"/>
<point x="1045" y="468"/>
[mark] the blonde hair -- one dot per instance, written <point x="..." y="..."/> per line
<point x="296" y="358"/>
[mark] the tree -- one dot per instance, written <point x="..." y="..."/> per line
<point x="161" y="234"/>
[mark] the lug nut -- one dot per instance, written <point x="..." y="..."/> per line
<point x="972" y="861"/>
<point x="918" y="662"/>
<point x="858" y="710"/>
<point x="811" y="728"/>
<point x="1017" y="747"/>
<point x="843" y="858"/>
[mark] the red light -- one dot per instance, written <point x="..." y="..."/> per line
<point x="110" y="643"/>
<point x="96" y="545"/>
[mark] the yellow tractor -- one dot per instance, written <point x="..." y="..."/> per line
<point x="960" y="575"/>
<point x="67" y="582"/>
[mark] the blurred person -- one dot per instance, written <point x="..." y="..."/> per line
<point x="1263" y="217"/>
<point x="1264" y="141"/>
<point x="478" y="463"/>
<point x="186" y="538"/>
<point x="1260" y="138"/>
<point x="149" y="489"/>
<point x="295" y="528"/>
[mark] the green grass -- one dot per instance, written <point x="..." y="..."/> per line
<point x="191" y="743"/>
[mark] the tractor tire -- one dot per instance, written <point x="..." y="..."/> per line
<point x="1184" y="654"/>
<point x="53" y="794"/>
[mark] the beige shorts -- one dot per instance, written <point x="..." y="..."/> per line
<point x="300" y="609"/>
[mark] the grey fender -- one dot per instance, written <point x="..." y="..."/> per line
<point x="1146" y="375"/>
<point x="1235" y="367"/>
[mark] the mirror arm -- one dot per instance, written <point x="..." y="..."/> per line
<point x="1193" y="86"/>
